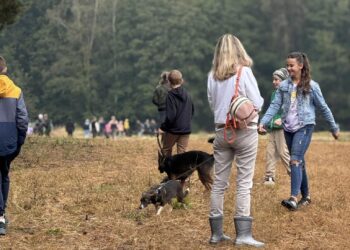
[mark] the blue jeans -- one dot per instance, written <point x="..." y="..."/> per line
<point x="5" y="162"/>
<point x="297" y="143"/>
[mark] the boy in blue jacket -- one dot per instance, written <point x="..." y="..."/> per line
<point x="13" y="130"/>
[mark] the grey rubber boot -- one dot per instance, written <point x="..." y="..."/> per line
<point x="217" y="234"/>
<point x="243" y="227"/>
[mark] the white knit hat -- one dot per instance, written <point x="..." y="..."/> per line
<point x="281" y="73"/>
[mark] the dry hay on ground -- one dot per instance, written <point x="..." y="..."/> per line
<point x="84" y="194"/>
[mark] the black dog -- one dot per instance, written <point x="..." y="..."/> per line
<point x="181" y="166"/>
<point x="160" y="195"/>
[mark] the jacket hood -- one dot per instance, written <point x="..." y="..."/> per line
<point x="179" y="93"/>
<point x="7" y="87"/>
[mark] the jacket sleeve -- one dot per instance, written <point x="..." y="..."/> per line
<point x="272" y="124"/>
<point x="155" y="99"/>
<point x="322" y="105"/>
<point x="209" y="93"/>
<point x="273" y="109"/>
<point x="21" y="120"/>
<point x="252" y="89"/>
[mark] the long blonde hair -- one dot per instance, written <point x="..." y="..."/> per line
<point x="229" y="53"/>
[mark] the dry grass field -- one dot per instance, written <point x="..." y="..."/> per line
<point x="84" y="194"/>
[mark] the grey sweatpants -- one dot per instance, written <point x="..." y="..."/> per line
<point x="243" y="150"/>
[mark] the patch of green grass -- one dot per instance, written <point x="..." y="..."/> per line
<point x="54" y="232"/>
<point x="179" y="205"/>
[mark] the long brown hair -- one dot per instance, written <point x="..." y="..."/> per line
<point x="228" y="55"/>
<point x="305" y="71"/>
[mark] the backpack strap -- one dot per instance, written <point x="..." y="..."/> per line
<point x="230" y="121"/>
<point x="237" y="82"/>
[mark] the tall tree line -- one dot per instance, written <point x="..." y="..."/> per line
<point x="78" y="58"/>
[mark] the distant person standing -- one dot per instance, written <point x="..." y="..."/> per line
<point x="47" y="125"/>
<point x="39" y="126"/>
<point x="113" y="123"/>
<point x="13" y="129"/>
<point x="94" y="127"/>
<point x="276" y="146"/>
<point x="299" y="97"/>
<point x="179" y="111"/>
<point x="160" y="94"/>
<point x="70" y="127"/>
<point x="127" y="127"/>
<point x="87" y="128"/>
<point x="101" y="124"/>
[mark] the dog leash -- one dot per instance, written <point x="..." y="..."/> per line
<point x="159" y="144"/>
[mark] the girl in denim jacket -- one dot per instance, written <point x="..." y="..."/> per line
<point x="298" y="96"/>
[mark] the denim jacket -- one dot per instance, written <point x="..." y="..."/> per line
<point x="306" y="105"/>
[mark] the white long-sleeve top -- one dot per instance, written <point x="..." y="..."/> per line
<point x="220" y="93"/>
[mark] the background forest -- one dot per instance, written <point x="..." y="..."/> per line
<point x="78" y="58"/>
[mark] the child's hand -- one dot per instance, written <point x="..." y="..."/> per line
<point x="261" y="130"/>
<point x="278" y="122"/>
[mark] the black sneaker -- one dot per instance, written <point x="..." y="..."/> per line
<point x="2" y="228"/>
<point x="304" y="202"/>
<point x="291" y="204"/>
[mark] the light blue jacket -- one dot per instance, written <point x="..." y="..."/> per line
<point x="306" y="105"/>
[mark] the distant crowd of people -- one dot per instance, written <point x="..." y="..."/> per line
<point x="94" y="127"/>
<point x="114" y="128"/>
<point x="42" y="126"/>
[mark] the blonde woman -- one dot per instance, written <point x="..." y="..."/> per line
<point x="229" y="57"/>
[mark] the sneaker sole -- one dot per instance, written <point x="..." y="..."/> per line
<point x="287" y="205"/>
<point x="304" y="205"/>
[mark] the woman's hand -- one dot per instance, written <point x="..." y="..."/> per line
<point x="335" y="134"/>
<point x="261" y="129"/>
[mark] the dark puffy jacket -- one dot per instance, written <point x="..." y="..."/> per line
<point x="13" y="117"/>
<point x="179" y="112"/>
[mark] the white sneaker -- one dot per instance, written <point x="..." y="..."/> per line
<point x="269" y="181"/>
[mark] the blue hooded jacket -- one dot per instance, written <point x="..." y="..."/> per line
<point x="13" y="117"/>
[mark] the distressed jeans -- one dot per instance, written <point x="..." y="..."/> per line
<point x="297" y="143"/>
<point x="243" y="150"/>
